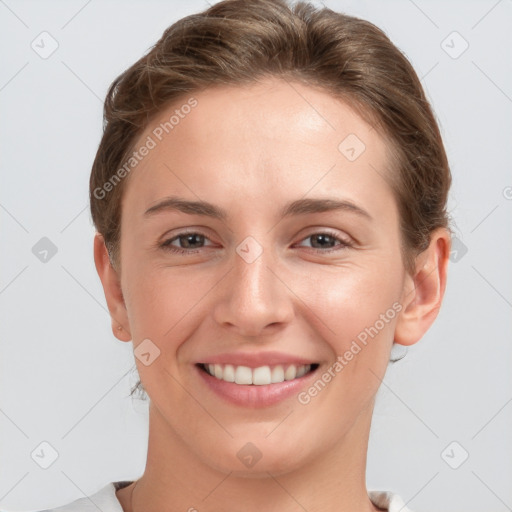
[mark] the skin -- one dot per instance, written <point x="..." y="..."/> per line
<point x="250" y="150"/>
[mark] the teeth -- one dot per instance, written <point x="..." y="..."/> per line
<point x="277" y="374"/>
<point x="290" y="373"/>
<point x="301" y="370"/>
<point x="261" y="376"/>
<point x="229" y="373"/>
<point x="243" y="374"/>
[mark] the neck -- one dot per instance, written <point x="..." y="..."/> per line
<point x="333" y="481"/>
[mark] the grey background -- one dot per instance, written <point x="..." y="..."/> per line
<point x="64" y="378"/>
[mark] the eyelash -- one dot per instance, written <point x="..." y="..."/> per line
<point x="177" y="250"/>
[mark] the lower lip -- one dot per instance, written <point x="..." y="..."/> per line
<point x="254" y="395"/>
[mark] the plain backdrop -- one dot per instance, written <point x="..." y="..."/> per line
<point x="441" y="430"/>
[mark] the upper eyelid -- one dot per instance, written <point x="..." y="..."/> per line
<point x="166" y="240"/>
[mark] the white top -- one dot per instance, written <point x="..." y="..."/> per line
<point x="106" y="501"/>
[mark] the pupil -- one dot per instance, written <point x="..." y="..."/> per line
<point x="189" y="239"/>
<point x="322" y="238"/>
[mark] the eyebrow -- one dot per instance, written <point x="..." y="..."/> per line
<point x="298" y="207"/>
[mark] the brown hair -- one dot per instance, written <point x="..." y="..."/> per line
<point x="239" y="42"/>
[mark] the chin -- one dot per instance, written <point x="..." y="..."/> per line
<point x="259" y="460"/>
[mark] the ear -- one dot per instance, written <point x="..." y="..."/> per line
<point x="423" y="292"/>
<point x="112" y="289"/>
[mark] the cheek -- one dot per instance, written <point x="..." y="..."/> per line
<point x="151" y="301"/>
<point x="356" y="304"/>
<point x="165" y="305"/>
<point x="357" y="312"/>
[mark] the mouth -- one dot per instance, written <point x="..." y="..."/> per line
<point x="259" y="376"/>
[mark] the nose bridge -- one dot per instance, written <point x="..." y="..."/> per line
<point x="253" y="297"/>
<point x="251" y="271"/>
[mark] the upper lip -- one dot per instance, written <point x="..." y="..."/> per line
<point x="257" y="359"/>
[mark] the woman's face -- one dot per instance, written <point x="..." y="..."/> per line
<point x="283" y="278"/>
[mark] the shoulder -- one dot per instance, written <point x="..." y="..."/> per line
<point x="105" y="500"/>
<point x="388" y="501"/>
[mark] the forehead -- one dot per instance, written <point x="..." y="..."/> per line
<point x="275" y="139"/>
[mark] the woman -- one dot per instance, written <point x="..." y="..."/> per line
<point x="270" y="202"/>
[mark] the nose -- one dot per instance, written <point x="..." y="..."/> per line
<point x="253" y="299"/>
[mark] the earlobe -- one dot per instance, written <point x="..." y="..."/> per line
<point x="120" y="333"/>
<point x="423" y="292"/>
<point x="112" y="289"/>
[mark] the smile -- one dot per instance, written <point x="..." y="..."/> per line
<point x="260" y="376"/>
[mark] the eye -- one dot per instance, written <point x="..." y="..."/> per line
<point x="327" y="241"/>
<point x="190" y="241"/>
